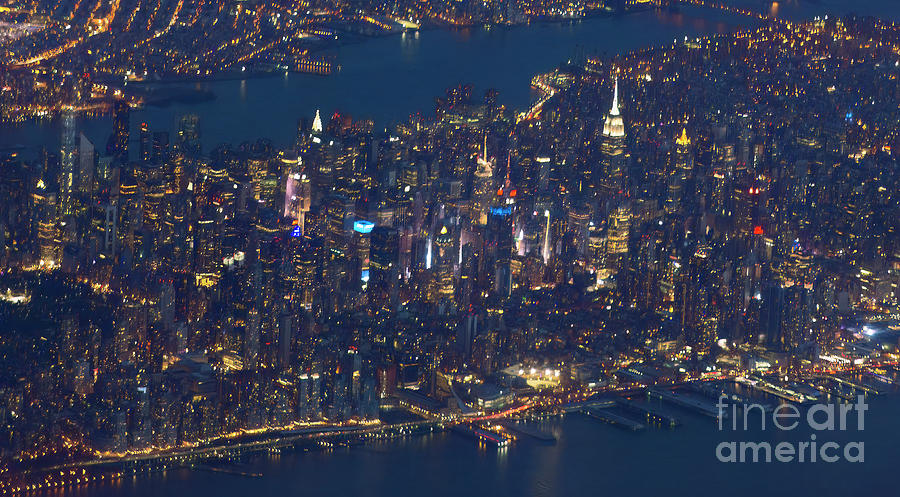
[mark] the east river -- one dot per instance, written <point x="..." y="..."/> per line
<point x="387" y="79"/>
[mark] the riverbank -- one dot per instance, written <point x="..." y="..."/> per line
<point x="386" y="79"/>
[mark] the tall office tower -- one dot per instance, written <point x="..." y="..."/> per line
<point x="44" y="208"/>
<point x="613" y="157"/>
<point x="361" y="249"/>
<point x="692" y="302"/>
<point x="337" y="268"/>
<point x="482" y="186"/>
<point x="67" y="166"/>
<point x="745" y="201"/>
<point x="498" y="250"/>
<point x="87" y="160"/>
<point x="121" y="129"/>
<point x="443" y="274"/>
<point x="617" y="232"/>
<point x="795" y="320"/>
<point x="674" y="194"/>
<point x="189" y="134"/>
<point x="682" y="173"/>
<point x="146" y="144"/>
<point x="384" y="264"/>
<point x="578" y="225"/>
<point x="684" y="160"/>
<point x="305" y="265"/>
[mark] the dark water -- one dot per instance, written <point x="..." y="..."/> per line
<point x="387" y="79"/>
<point x="590" y="458"/>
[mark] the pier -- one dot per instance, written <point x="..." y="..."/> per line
<point x="882" y="378"/>
<point x="482" y="435"/>
<point x="834" y="392"/>
<point x="780" y="392"/>
<point x="652" y="414"/>
<point x="691" y="403"/>
<point x="614" y="419"/>
<point x="528" y="430"/>
<point x="857" y="386"/>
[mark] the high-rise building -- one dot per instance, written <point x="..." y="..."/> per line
<point x="87" y="158"/>
<point x="613" y="158"/>
<point x="443" y="273"/>
<point x="121" y="129"/>
<point x="46" y="226"/>
<point x="483" y="187"/>
<point x="67" y="170"/>
<point x="617" y="231"/>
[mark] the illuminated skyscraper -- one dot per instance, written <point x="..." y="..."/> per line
<point x="682" y="173"/>
<point x="87" y="161"/>
<point x="67" y="166"/>
<point x="612" y="147"/>
<point x="443" y="274"/>
<point x="684" y="161"/>
<point x="189" y="134"/>
<point x="483" y="187"/>
<point x="121" y="129"/>
<point x="618" y="229"/>
<point x="362" y="243"/>
<point x="44" y="206"/>
<point x="384" y="264"/>
<point x="317" y="124"/>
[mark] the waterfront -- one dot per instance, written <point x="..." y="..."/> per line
<point x="387" y="79"/>
<point x="589" y="456"/>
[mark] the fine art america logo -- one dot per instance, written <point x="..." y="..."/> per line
<point x="821" y="419"/>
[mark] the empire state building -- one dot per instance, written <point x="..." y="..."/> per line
<point x="613" y="156"/>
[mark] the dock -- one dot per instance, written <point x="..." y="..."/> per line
<point x="528" y="430"/>
<point x="882" y="378"/>
<point x="482" y="435"/>
<point x="651" y="413"/>
<point x="614" y="419"/>
<point x="858" y="386"/>
<point x="691" y="403"/>
<point x="780" y="392"/>
<point x="834" y="392"/>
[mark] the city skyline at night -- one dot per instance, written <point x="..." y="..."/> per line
<point x="667" y="237"/>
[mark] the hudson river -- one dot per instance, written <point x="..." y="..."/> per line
<point x="387" y="79"/>
<point x="589" y="459"/>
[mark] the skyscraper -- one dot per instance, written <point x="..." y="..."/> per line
<point x="67" y="166"/>
<point x="613" y="155"/>
<point x="121" y="126"/>
<point x="86" y="159"/>
<point x="483" y="187"/>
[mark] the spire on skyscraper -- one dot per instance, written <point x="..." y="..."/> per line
<point x="683" y="139"/>
<point x="614" y="111"/>
<point x="613" y="126"/>
<point x="317" y="123"/>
